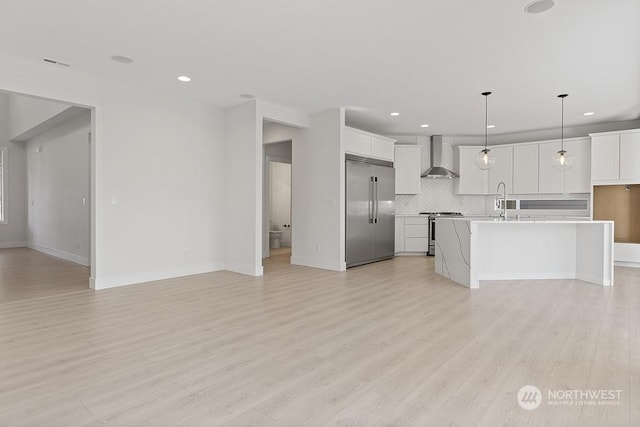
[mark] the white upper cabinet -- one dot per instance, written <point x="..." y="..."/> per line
<point x="382" y="148"/>
<point x="525" y="169"/>
<point x="578" y="178"/>
<point x="407" y="165"/>
<point x="615" y="157"/>
<point x="550" y="180"/>
<point x="502" y="171"/>
<point x="367" y="144"/>
<point x="605" y="157"/>
<point x="630" y="157"/>
<point x="472" y="180"/>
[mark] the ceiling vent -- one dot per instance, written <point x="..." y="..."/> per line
<point x="56" y="62"/>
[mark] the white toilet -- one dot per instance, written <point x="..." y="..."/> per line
<point x="274" y="239"/>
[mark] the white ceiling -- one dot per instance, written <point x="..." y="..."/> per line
<point x="427" y="59"/>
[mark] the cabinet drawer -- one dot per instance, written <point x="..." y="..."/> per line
<point x="410" y="220"/>
<point x="416" y="230"/>
<point x="416" y="244"/>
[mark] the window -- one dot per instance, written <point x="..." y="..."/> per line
<point x="3" y="184"/>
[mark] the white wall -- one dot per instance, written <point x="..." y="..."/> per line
<point x="318" y="193"/>
<point x="13" y="233"/>
<point x="161" y="156"/>
<point x="58" y="190"/>
<point x="27" y="112"/>
<point x="243" y="177"/>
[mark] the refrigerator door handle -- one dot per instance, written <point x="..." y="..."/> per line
<point x="371" y="207"/>
<point x="375" y="219"/>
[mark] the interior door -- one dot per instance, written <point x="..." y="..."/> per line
<point x="384" y="212"/>
<point x="359" y="208"/>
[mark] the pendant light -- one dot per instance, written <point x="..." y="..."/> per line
<point x="562" y="161"/>
<point x="484" y="159"/>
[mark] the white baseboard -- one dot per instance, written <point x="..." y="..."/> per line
<point x="99" y="283"/>
<point x="319" y="263"/>
<point x="249" y="270"/>
<point x="594" y="279"/>
<point x="626" y="264"/>
<point x="9" y="245"/>
<point x="82" y="260"/>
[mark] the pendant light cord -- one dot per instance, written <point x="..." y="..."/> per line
<point x="486" y="117"/>
<point x="562" y="97"/>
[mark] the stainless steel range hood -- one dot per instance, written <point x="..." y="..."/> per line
<point x="437" y="171"/>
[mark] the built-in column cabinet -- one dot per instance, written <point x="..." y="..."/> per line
<point x="605" y="157"/>
<point x="525" y="169"/>
<point x="472" y="180"/>
<point x="502" y="171"/>
<point x="407" y="165"/>
<point x="630" y="156"/>
<point x="615" y="157"/>
<point x="367" y="144"/>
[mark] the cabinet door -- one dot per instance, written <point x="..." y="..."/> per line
<point x="630" y="156"/>
<point x="525" y="169"/>
<point x="549" y="180"/>
<point x="399" y="237"/>
<point x="382" y="148"/>
<point x="605" y="157"/>
<point x="407" y="165"/>
<point x="472" y="180"/>
<point x="357" y="142"/>
<point x="578" y="178"/>
<point x="502" y="171"/>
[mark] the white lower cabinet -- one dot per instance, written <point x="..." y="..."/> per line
<point x="412" y="234"/>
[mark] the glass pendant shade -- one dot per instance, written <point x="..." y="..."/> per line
<point x="562" y="161"/>
<point x="485" y="160"/>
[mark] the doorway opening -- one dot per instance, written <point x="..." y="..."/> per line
<point x="46" y="190"/>
<point x="278" y="196"/>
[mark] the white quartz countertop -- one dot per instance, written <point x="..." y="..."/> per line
<point x="523" y="221"/>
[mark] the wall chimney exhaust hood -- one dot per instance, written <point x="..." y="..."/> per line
<point x="437" y="171"/>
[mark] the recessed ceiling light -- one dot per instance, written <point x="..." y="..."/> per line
<point x="394" y="114"/>
<point x="247" y="96"/>
<point x="490" y="126"/>
<point x="122" y="59"/>
<point x="424" y="126"/>
<point x="589" y="113"/>
<point x="539" y="6"/>
<point x="184" y="79"/>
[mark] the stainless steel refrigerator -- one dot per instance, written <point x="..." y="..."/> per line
<point x="370" y="222"/>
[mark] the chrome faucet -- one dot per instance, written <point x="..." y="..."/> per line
<point x="504" y="199"/>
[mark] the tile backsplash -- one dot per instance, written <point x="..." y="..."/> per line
<point x="436" y="195"/>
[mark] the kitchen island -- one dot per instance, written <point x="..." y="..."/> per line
<point x="470" y="250"/>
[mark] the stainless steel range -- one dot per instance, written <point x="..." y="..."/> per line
<point x="432" y="228"/>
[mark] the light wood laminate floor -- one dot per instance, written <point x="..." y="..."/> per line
<point x="390" y="343"/>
